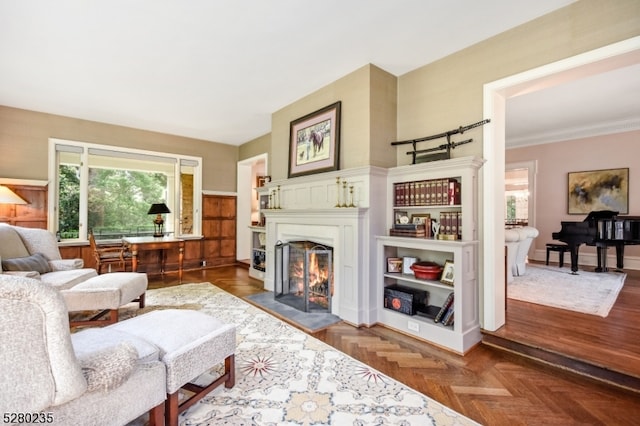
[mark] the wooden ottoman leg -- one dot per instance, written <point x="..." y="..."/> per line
<point x="230" y="371"/>
<point x="156" y="415"/>
<point x="113" y="316"/>
<point x="172" y="410"/>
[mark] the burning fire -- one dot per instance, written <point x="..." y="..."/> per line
<point x="318" y="279"/>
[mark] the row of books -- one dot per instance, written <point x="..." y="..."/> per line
<point x="450" y="226"/>
<point x="431" y="192"/>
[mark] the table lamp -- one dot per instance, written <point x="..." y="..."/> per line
<point x="158" y="223"/>
<point x="7" y="196"/>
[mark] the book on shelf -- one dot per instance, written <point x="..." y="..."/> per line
<point x="421" y="233"/>
<point x="454" y="192"/>
<point x="409" y="226"/>
<point x="447" y="318"/>
<point x="445" y="307"/>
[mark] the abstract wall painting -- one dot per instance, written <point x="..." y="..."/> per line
<point x="599" y="190"/>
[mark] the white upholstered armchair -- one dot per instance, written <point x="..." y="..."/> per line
<point x="518" y="242"/>
<point x="42" y="374"/>
<point x="34" y="253"/>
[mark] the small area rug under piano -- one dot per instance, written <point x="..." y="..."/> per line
<point x="588" y="292"/>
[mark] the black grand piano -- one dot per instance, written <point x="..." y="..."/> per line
<point x="602" y="229"/>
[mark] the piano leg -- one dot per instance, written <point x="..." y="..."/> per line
<point x="573" y="249"/>
<point x="619" y="257"/>
<point x="602" y="258"/>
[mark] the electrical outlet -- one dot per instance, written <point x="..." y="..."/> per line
<point x="414" y="326"/>
<point x="204" y="263"/>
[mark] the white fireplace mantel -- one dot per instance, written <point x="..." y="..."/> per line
<point x="344" y="229"/>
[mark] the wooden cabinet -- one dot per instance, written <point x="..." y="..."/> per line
<point x="218" y="229"/>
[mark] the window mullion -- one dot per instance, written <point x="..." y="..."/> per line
<point x="84" y="196"/>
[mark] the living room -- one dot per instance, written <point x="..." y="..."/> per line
<point x="377" y="108"/>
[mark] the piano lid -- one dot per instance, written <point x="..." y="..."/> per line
<point x="600" y="214"/>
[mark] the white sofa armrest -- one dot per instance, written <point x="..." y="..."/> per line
<point x="511" y="241"/>
<point x="27" y="274"/>
<point x="66" y="264"/>
<point x="527" y="235"/>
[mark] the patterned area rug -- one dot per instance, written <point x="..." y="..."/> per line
<point x="284" y="376"/>
<point x="588" y="292"/>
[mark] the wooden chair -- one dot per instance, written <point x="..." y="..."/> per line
<point x="108" y="255"/>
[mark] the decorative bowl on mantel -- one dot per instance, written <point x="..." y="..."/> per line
<point x="426" y="270"/>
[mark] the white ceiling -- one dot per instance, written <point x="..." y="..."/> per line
<point x="217" y="70"/>
<point x="599" y="104"/>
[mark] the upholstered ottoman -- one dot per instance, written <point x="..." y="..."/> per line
<point x="190" y="344"/>
<point x="105" y="293"/>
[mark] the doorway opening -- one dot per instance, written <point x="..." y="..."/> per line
<point x="496" y="93"/>
<point x="519" y="194"/>
<point x="248" y="202"/>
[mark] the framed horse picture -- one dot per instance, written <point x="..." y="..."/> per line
<point x="314" y="142"/>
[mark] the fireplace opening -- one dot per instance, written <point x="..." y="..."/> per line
<point x="304" y="275"/>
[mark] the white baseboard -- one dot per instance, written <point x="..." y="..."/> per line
<point x="588" y="259"/>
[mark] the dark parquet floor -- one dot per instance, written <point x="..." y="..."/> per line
<point x="489" y="385"/>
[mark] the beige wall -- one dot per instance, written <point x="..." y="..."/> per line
<point x="382" y="117"/>
<point x="255" y="147"/>
<point x="448" y="93"/>
<point x="555" y="160"/>
<point x="368" y="114"/>
<point x="24" y="137"/>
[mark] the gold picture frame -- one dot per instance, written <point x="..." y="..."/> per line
<point x="421" y="219"/>
<point x="394" y="265"/>
<point x="448" y="273"/>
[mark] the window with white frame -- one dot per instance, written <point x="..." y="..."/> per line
<point x="108" y="190"/>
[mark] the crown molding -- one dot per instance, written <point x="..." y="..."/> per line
<point x="578" y="132"/>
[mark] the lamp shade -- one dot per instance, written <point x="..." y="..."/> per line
<point x="7" y="196"/>
<point x="160" y="208"/>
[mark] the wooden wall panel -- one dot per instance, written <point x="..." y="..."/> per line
<point x="219" y="229"/>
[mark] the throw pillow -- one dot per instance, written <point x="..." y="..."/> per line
<point x="109" y="368"/>
<point x="36" y="262"/>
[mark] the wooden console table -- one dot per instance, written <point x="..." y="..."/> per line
<point x="152" y="243"/>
